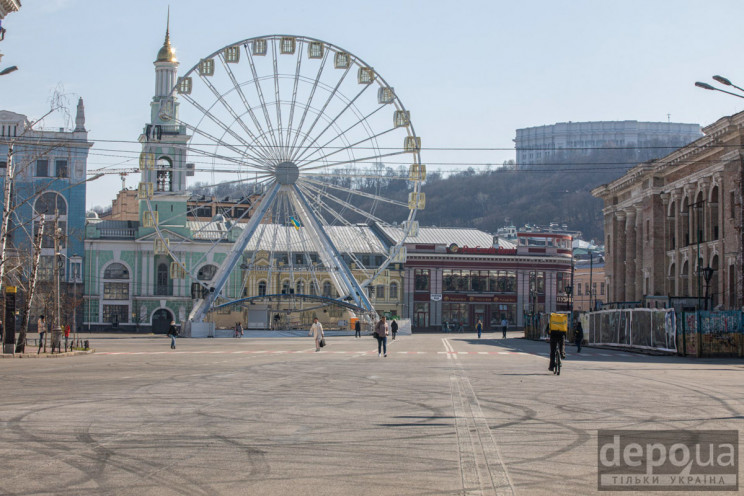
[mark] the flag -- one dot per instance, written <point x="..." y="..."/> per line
<point x="295" y="223"/>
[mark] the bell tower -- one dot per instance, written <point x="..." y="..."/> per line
<point x="164" y="143"/>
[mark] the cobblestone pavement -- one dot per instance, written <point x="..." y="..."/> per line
<point x="441" y="414"/>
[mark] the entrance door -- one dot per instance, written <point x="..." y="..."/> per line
<point x="479" y="313"/>
<point x="161" y="320"/>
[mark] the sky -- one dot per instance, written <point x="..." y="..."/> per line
<point x="470" y="72"/>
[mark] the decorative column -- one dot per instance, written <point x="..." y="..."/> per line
<point x="642" y="239"/>
<point x="630" y="253"/>
<point x="668" y="230"/>
<point x="619" y="256"/>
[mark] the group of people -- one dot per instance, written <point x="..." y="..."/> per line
<point x="381" y="332"/>
<point x="238" y="330"/>
<point x="478" y="327"/>
<point x="42" y="328"/>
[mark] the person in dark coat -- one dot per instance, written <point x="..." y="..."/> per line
<point x="578" y="335"/>
<point x="172" y="333"/>
<point x="394" y="328"/>
<point x="357" y="329"/>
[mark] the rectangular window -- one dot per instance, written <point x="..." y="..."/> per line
<point x="601" y="288"/>
<point x="48" y="239"/>
<point x="578" y="289"/>
<point x="60" y="167"/>
<point x="42" y="168"/>
<point x="594" y="288"/>
<point x="115" y="314"/>
<point x="732" y="205"/>
<point x="380" y="292"/>
<point x="115" y="290"/>
<point x="421" y="279"/>
<point x="3" y="164"/>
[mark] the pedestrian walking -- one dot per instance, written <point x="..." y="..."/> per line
<point x="394" y="328"/>
<point x="479" y="328"/>
<point x="357" y="329"/>
<point x="445" y="326"/>
<point x="67" y="336"/>
<point x="172" y="333"/>
<point x="381" y="332"/>
<point x="316" y="331"/>
<point x="41" y="324"/>
<point x="461" y="329"/>
<point x="578" y="335"/>
<point x="504" y="326"/>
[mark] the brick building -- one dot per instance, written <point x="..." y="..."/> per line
<point x="667" y="220"/>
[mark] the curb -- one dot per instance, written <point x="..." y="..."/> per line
<point x="47" y="355"/>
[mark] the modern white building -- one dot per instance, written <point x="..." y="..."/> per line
<point x="535" y="145"/>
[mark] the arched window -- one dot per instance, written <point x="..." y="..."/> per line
<point x="116" y="293"/>
<point x="285" y="287"/>
<point x="327" y="289"/>
<point x="300" y="287"/>
<point x="161" y="281"/>
<point x="393" y="290"/>
<point x="262" y="288"/>
<point x="164" y="168"/>
<point x="206" y="273"/>
<point x="50" y="203"/>
<point x="314" y="288"/>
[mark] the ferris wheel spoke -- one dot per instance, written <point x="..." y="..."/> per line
<point x="239" y="89"/>
<point x="279" y="134"/>
<point x="236" y="118"/>
<point x="220" y="124"/>
<point x="356" y="175"/>
<point x="226" y="158"/>
<point x="264" y="106"/>
<point x="294" y="93"/>
<point x="347" y="147"/>
<point x="309" y="101"/>
<point x="363" y="119"/>
<point x="331" y="123"/>
<point x="355" y="161"/>
<point x="295" y="151"/>
<point x="356" y="192"/>
<point x="343" y="203"/>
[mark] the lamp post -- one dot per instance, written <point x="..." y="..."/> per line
<point x="740" y="258"/>
<point x="707" y="275"/>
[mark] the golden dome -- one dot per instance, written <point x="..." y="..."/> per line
<point x="166" y="53"/>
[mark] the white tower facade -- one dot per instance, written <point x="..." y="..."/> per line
<point x="163" y="159"/>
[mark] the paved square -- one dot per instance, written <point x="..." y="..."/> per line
<point x="442" y="414"/>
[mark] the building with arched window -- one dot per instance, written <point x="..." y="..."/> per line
<point x="49" y="189"/>
<point x="670" y="222"/>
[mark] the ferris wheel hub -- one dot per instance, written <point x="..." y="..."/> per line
<point x="287" y="173"/>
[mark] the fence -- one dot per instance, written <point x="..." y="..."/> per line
<point x="644" y="328"/>
<point x="711" y="334"/>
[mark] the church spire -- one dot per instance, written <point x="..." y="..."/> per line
<point x="80" y="117"/>
<point x="167" y="53"/>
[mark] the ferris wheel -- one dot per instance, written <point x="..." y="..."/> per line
<point x="320" y="147"/>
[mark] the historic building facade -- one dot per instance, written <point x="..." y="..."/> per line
<point x="669" y="221"/>
<point x="459" y="276"/>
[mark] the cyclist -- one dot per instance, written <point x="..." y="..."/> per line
<point x="556" y="329"/>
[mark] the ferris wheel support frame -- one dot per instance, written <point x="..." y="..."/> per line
<point x="202" y="307"/>
<point x="347" y="278"/>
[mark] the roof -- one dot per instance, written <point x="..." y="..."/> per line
<point x="273" y="237"/>
<point x="461" y="236"/>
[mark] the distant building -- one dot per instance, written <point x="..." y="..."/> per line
<point x="535" y="145"/>
<point x="590" y="287"/>
<point x="510" y="232"/>
<point x="8" y="6"/>
<point x="460" y="276"/>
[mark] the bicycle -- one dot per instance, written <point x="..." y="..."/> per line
<point x="558" y="361"/>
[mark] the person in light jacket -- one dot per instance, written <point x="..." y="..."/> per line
<point x="381" y="332"/>
<point x="316" y="331"/>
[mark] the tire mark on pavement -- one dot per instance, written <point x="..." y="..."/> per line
<point x="481" y="465"/>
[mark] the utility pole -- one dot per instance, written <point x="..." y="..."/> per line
<point x="57" y="327"/>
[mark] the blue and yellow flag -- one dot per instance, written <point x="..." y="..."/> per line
<point x="295" y="223"/>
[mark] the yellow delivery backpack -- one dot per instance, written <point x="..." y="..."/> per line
<point x="559" y="322"/>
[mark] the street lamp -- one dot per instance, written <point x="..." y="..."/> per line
<point x="706" y="86"/>
<point x="707" y="275"/>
